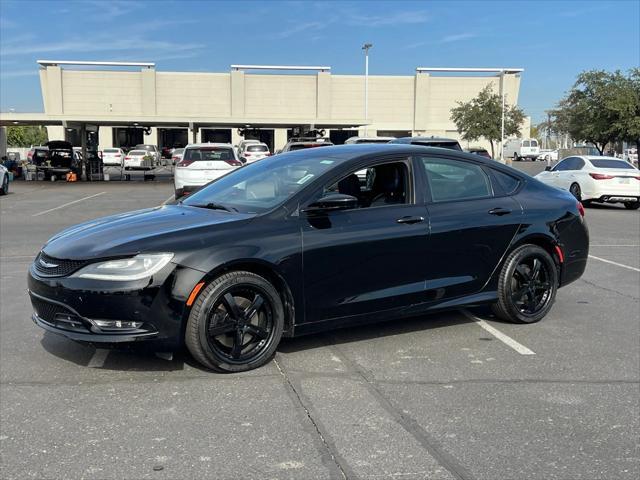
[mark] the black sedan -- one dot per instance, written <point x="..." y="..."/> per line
<point x="312" y="240"/>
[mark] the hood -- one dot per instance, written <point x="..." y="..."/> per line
<point x="154" y="229"/>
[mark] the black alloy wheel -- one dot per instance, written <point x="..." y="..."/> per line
<point x="236" y="323"/>
<point x="575" y="191"/>
<point x="5" y="185"/>
<point x="527" y="285"/>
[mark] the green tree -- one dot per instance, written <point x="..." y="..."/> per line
<point x="481" y="118"/>
<point x="601" y="108"/>
<point x="26" y="136"/>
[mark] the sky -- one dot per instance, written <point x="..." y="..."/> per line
<point x="552" y="40"/>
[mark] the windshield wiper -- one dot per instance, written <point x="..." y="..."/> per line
<point x="216" y="206"/>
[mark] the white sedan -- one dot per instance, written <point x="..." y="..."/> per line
<point x="596" y="179"/>
<point x="548" y="155"/>
<point x="201" y="163"/>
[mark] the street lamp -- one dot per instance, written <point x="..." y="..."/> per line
<point x="366" y="48"/>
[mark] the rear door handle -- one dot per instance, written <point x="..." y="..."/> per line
<point x="410" y="220"/>
<point x="499" y="211"/>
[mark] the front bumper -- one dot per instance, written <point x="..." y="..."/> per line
<point x="75" y="308"/>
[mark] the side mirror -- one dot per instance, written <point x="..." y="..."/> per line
<point x="331" y="202"/>
<point x="547" y="168"/>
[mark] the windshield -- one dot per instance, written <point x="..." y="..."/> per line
<point x="260" y="186"/>
<point x="611" y="164"/>
<point x="257" y="148"/>
<point x="372" y="140"/>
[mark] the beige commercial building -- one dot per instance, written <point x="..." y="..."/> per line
<point x="124" y="104"/>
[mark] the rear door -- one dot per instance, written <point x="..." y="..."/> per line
<point x="472" y="222"/>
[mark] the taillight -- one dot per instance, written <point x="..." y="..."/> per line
<point x="581" y="209"/>
<point x="637" y="178"/>
<point x="600" y="176"/>
<point x="175" y="158"/>
<point x="117" y="155"/>
<point x="127" y="158"/>
<point x="233" y="162"/>
<point x="185" y="163"/>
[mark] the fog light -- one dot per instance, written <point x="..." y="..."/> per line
<point x="117" y="324"/>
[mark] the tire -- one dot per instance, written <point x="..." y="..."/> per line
<point x="231" y="305"/>
<point x="632" y="205"/>
<point x="4" y="189"/>
<point x="523" y="298"/>
<point x="576" y="191"/>
<point x="178" y="193"/>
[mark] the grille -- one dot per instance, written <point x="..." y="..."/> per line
<point x="47" y="266"/>
<point x="56" y="315"/>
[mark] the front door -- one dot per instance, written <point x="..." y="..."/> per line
<point x="371" y="258"/>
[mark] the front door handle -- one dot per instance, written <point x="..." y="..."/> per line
<point x="499" y="211"/>
<point x="410" y="220"/>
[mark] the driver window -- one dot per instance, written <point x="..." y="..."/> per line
<point x="375" y="186"/>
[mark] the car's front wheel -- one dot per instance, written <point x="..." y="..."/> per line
<point x="576" y="191"/>
<point x="236" y="323"/>
<point x="527" y="285"/>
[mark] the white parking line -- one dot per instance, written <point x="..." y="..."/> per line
<point x="615" y="263"/>
<point x="98" y="358"/>
<point x="168" y="199"/>
<point x="506" y="339"/>
<point x="617" y="245"/>
<point x="67" y="204"/>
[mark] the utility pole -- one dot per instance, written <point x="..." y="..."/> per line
<point x="366" y="48"/>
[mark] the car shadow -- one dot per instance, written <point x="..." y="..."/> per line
<point x="122" y="359"/>
<point x="137" y="359"/>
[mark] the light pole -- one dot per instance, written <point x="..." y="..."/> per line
<point x="366" y="48"/>
<point x="502" y="119"/>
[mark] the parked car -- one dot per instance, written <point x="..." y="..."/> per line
<point x="479" y="151"/>
<point x="439" y="142"/>
<point x="521" y="149"/>
<point x="4" y="180"/>
<point x="356" y="140"/>
<point x="167" y="151"/>
<point x="596" y="179"/>
<point x="292" y="245"/>
<point x="139" y="160"/>
<point x="176" y="156"/>
<point x="113" y="157"/>
<point x="201" y="163"/>
<point x="243" y="143"/>
<point x="301" y="143"/>
<point x="153" y="150"/>
<point x="548" y="155"/>
<point x="254" y="151"/>
<point x="56" y="159"/>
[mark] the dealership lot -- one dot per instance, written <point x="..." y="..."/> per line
<point x="453" y="395"/>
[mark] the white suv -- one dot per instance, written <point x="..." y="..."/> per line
<point x="201" y="163"/>
<point x="254" y="151"/>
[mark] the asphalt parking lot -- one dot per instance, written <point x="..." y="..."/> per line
<point x="456" y="395"/>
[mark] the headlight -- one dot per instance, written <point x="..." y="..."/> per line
<point x="125" y="269"/>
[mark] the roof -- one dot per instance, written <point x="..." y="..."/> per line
<point x="200" y="145"/>
<point x="423" y="139"/>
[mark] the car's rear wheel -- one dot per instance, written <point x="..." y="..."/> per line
<point x="576" y="191"/>
<point x="236" y="323"/>
<point x="527" y="285"/>
<point x="632" y="205"/>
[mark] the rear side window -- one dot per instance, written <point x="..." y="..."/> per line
<point x="506" y="182"/>
<point x="449" y="145"/>
<point x="525" y="143"/>
<point x="534" y="143"/>
<point x="611" y="164"/>
<point x="257" y="148"/>
<point x="208" y="154"/>
<point x="301" y="146"/>
<point x="451" y="180"/>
